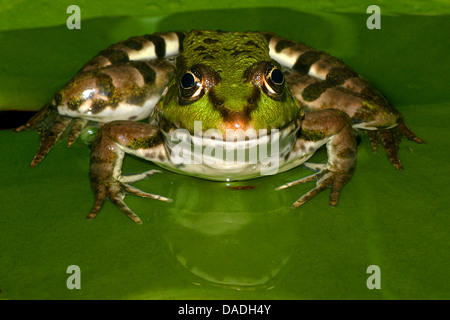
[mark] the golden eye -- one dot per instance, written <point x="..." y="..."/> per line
<point x="274" y="80"/>
<point x="191" y="84"/>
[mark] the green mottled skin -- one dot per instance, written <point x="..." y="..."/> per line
<point x="229" y="59"/>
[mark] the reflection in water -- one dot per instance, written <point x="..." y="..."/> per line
<point x="230" y="237"/>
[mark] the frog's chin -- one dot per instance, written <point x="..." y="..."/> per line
<point x="240" y="156"/>
<point x="232" y="139"/>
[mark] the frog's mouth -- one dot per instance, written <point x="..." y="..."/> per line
<point x="232" y="138"/>
<point x="233" y="149"/>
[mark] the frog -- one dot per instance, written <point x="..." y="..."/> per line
<point x="160" y="96"/>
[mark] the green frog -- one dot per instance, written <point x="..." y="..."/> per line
<point x="222" y="106"/>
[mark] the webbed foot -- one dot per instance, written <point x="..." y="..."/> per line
<point x="52" y="127"/>
<point x="325" y="179"/>
<point x="390" y="140"/>
<point x="116" y="192"/>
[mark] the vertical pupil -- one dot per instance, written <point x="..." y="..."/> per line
<point x="187" y="81"/>
<point x="277" y="76"/>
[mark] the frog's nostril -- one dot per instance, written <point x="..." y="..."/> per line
<point x="237" y="120"/>
<point x="235" y="125"/>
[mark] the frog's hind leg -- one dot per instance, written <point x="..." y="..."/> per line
<point x="123" y="82"/>
<point x="52" y="127"/>
<point x="125" y="91"/>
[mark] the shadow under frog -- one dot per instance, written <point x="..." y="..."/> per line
<point x="236" y="235"/>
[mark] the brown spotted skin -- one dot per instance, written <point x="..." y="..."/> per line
<point x="321" y="81"/>
<point x="127" y="50"/>
<point x="119" y="75"/>
<point x="125" y="81"/>
<point x="132" y="82"/>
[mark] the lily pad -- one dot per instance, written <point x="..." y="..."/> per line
<point x="230" y="240"/>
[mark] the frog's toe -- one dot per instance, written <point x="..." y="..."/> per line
<point x="315" y="166"/>
<point x="404" y="130"/>
<point x="373" y="138"/>
<point x="52" y="127"/>
<point x="140" y="193"/>
<point x="115" y="192"/>
<point x="299" y="181"/>
<point x="50" y="137"/>
<point x="136" y="177"/>
<point x="390" y="141"/>
<point x="35" y="121"/>
<point x="118" y="201"/>
<point x="77" y="127"/>
<point x="325" y="179"/>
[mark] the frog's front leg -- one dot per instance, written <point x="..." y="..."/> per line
<point x="333" y="128"/>
<point x="113" y="140"/>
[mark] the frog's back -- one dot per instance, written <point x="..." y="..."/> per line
<point x="219" y="49"/>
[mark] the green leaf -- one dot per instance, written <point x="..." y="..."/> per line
<point x="213" y="239"/>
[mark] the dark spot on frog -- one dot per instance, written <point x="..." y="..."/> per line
<point x="105" y="84"/>
<point x="160" y="44"/>
<point x="254" y="98"/>
<point x="200" y="48"/>
<point x="115" y="55"/>
<point x="138" y="97"/>
<point x="181" y="37"/>
<point x="206" y="56"/>
<point x="98" y="105"/>
<point x="58" y="99"/>
<point x="315" y="90"/>
<point x="239" y="52"/>
<point x="283" y="44"/>
<point x="251" y="43"/>
<point x="145" y="143"/>
<point x="214" y="99"/>
<point x="161" y="157"/>
<point x="74" y="103"/>
<point x="210" y="41"/>
<point x="346" y="153"/>
<point x="338" y="75"/>
<point x="145" y="70"/>
<point x="268" y="35"/>
<point x="312" y="135"/>
<point x="306" y="60"/>
<point x="134" y="44"/>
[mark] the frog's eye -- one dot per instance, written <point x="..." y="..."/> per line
<point x="191" y="84"/>
<point x="274" y="80"/>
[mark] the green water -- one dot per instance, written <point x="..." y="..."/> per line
<point x="218" y="242"/>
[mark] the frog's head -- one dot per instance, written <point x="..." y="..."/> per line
<point x="227" y="80"/>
